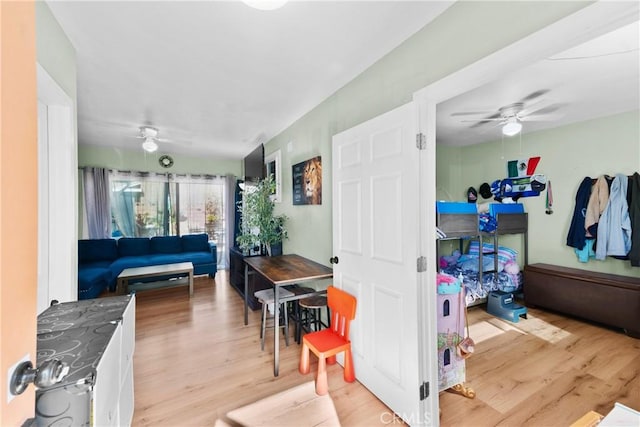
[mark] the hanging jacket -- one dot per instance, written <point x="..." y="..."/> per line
<point x="587" y="252"/>
<point x="597" y="203"/>
<point x="577" y="236"/>
<point x="614" y="228"/>
<point x="634" y="216"/>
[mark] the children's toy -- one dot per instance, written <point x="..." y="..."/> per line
<point x="500" y="304"/>
<point x="448" y="284"/>
<point x="451" y="333"/>
<point x="511" y="267"/>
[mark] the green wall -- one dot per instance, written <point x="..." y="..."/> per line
<point x="55" y="52"/>
<point x="592" y="148"/>
<point x="139" y="160"/>
<point x="464" y="33"/>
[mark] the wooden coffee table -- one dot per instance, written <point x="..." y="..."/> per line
<point x="176" y="269"/>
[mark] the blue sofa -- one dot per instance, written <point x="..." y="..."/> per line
<point x="100" y="261"/>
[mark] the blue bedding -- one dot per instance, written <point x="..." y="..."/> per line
<point x="474" y="290"/>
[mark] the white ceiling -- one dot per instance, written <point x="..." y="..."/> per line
<point x="218" y="77"/>
<point x="598" y="78"/>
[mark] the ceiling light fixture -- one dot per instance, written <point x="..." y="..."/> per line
<point x="149" y="145"/>
<point x="265" y="4"/>
<point x="512" y="127"/>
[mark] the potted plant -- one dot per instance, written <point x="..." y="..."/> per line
<point x="259" y="225"/>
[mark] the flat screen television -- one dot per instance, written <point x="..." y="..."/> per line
<point x="254" y="165"/>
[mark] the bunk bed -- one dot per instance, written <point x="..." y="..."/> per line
<point x="465" y="226"/>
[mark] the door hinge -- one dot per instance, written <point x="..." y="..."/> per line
<point x="421" y="141"/>
<point x="424" y="391"/>
<point x="422" y="264"/>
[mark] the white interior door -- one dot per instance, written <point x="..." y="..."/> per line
<point x="376" y="240"/>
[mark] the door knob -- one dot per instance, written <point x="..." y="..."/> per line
<point x="334" y="260"/>
<point x="47" y="374"/>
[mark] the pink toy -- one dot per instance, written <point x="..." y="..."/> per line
<point x="511" y="268"/>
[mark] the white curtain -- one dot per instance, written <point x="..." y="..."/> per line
<point x="96" y="201"/>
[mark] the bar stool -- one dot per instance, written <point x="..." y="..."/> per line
<point x="266" y="297"/>
<point x="294" y="306"/>
<point x="311" y="316"/>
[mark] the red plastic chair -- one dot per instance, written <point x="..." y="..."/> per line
<point x="326" y="343"/>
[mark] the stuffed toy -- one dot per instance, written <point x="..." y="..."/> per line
<point x="511" y="267"/>
<point x="446" y="261"/>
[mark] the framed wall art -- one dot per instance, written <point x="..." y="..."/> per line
<point x="307" y="182"/>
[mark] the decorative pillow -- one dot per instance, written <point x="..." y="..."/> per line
<point x="195" y="243"/>
<point x="505" y="254"/>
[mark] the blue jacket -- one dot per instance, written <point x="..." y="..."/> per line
<point x="634" y="216"/>
<point x="614" y="227"/>
<point x="577" y="235"/>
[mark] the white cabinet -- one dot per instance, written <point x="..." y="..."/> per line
<point x="106" y="390"/>
<point x="126" y="366"/>
<point x="96" y="339"/>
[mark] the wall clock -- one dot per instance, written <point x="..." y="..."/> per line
<point x="165" y="161"/>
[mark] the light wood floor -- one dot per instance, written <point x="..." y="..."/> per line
<point x="547" y="370"/>
<point x="195" y="360"/>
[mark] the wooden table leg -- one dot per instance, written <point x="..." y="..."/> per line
<point x="190" y="283"/>
<point x="276" y="331"/>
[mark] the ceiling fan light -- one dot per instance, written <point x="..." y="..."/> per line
<point x="511" y="128"/>
<point x="149" y="145"/>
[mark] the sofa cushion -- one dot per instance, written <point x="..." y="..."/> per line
<point x="133" y="246"/>
<point x="92" y="281"/>
<point x="91" y="250"/>
<point x="166" y="245"/>
<point x="120" y="264"/>
<point x="104" y="264"/>
<point x="88" y="276"/>
<point x="168" y="258"/>
<point x="194" y="257"/>
<point x="195" y="243"/>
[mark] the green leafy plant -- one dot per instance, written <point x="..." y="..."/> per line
<point x="259" y="225"/>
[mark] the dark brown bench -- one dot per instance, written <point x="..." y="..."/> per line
<point x="610" y="299"/>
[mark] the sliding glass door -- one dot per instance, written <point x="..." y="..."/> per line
<point x="147" y="205"/>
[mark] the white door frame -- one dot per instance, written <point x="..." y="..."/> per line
<point x="57" y="194"/>
<point x="586" y="24"/>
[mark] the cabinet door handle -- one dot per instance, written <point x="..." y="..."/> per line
<point x="334" y="260"/>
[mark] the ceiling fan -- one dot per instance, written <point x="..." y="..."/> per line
<point x="511" y="116"/>
<point x="150" y="136"/>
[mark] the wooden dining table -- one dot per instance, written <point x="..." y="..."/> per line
<point x="281" y="270"/>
